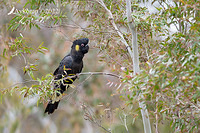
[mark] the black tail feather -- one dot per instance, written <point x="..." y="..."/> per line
<point x="51" y="107"/>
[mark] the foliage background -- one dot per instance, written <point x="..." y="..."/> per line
<point x="36" y="35"/>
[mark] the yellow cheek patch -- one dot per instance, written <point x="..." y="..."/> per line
<point x="77" y="48"/>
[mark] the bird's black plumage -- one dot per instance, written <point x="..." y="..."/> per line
<point x="70" y="65"/>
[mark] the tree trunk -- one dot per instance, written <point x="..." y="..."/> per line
<point x="136" y="68"/>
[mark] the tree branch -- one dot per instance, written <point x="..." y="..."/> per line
<point x="100" y="73"/>
<point x="111" y="18"/>
<point x="88" y="113"/>
<point x="90" y="73"/>
<point x="133" y="30"/>
<point x="68" y="77"/>
<point x="18" y="83"/>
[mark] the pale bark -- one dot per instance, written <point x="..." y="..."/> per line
<point x="136" y="68"/>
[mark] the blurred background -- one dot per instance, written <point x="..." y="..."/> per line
<point x="95" y="93"/>
<point x="36" y="34"/>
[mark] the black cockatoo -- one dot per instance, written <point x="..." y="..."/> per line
<point x="70" y="65"/>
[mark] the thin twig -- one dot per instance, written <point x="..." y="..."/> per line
<point x="3" y="89"/>
<point x="89" y="116"/>
<point x="111" y="18"/>
<point x="157" y="114"/>
<point x="100" y="73"/>
<point x="125" y="123"/>
<point x="90" y="73"/>
<point x="24" y="58"/>
<point x="92" y="30"/>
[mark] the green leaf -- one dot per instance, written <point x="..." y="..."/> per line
<point x="31" y="74"/>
